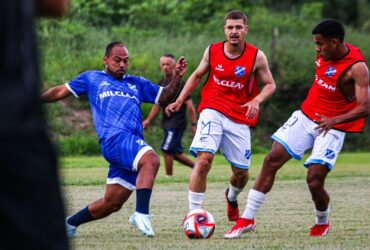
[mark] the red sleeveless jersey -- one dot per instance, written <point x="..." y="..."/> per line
<point x="326" y="97"/>
<point x="230" y="83"/>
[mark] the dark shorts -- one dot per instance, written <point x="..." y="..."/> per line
<point x="171" y="143"/>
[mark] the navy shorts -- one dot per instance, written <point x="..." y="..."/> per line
<point x="171" y="143"/>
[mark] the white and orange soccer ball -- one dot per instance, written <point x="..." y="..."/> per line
<point x="198" y="224"/>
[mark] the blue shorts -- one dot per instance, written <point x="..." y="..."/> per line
<point x="123" y="152"/>
<point x="171" y="143"/>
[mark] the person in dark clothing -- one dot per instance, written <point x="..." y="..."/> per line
<point x="31" y="206"/>
<point x="173" y="126"/>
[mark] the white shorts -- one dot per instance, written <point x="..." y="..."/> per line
<point x="216" y="131"/>
<point x="298" y="134"/>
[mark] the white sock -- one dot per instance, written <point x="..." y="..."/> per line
<point x="233" y="193"/>
<point x="254" y="201"/>
<point x="322" y="217"/>
<point x="195" y="200"/>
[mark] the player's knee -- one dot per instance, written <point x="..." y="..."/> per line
<point x="241" y="174"/>
<point x="203" y="166"/>
<point x="113" y="206"/>
<point x="272" y="160"/>
<point x="314" y="184"/>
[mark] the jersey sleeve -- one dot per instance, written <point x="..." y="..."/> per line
<point x="150" y="91"/>
<point x="79" y="85"/>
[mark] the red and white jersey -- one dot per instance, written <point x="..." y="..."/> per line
<point x="231" y="83"/>
<point x="326" y="97"/>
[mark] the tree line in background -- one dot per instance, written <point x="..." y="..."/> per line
<point x="150" y="28"/>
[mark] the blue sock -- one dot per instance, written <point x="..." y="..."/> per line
<point x="142" y="200"/>
<point x="80" y="217"/>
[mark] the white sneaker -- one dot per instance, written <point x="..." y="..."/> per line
<point x="142" y="222"/>
<point x="70" y="230"/>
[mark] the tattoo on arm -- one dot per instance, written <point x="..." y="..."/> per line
<point x="170" y="91"/>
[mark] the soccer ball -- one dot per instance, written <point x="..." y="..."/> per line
<point x="198" y="224"/>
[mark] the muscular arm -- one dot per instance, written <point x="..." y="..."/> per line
<point x="55" y="94"/>
<point x="263" y="72"/>
<point x="360" y="75"/>
<point x="191" y="84"/>
<point x="174" y="86"/>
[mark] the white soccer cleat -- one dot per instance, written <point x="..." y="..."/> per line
<point x="142" y="222"/>
<point x="70" y="230"/>
<point x="241" y="226"/>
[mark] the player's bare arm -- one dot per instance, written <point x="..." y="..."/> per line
<point x="153" y="113"/>
<point x="262" y="71"/>
<point x="55" y="94"/>
<point x="191" y="84"/>
<point x="359" y="73"/>
<point x="174" y="86"/>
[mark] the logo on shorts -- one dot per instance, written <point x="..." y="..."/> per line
<point x="239" y="71"/>
<point x="330" y="154"/>
<point x="205" y="128"/>
<point x="247" y="154"/>
<point x="203" y="139"/>
<point x="140" y="142"/>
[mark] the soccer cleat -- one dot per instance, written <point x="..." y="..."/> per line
<point x="70" y="230"/>
<point x="232" y="208"/>
<point x="320" y="230"/>
<point x="142" y="222"/>
<point x="241" y="226"/>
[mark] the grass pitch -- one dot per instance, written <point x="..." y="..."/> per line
<point x="283" y="221"/>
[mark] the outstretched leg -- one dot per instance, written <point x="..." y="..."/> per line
<point x="264" y="182"/>
<point x="115" y="196"/>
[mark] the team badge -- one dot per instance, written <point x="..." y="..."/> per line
<point x="239" y="71"/>
<point x="330" y="154"/>
<point x="205" y="128"/>
<point x="330" y="71"/>
<point x="247" y="154"/>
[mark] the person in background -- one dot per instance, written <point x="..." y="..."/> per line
<point x="173" y="126"/>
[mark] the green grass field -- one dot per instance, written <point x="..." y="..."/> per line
<point x="282" y="222"/>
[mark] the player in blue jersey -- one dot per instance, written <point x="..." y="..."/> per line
<point x="115" y="100"/>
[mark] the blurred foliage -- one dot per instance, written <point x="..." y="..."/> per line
<point x="186" y="27"/>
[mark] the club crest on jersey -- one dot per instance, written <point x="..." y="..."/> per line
<point x="132" y="86"/>
<point x="330" y="71"/>
<point x="330" y="154"/>
<point x="239" y="71"/>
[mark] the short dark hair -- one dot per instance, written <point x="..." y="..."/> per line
<point x="111" y="45"/>
<point x="236" y="14"/>
<point x="330" y="28"/>
<point x="170" y="55"/>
